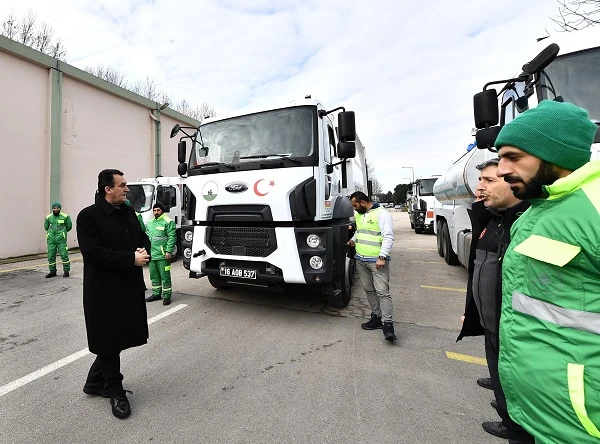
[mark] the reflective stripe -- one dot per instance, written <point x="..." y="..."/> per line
<point x="168" y="268"/>
<point x="373" y="233"/>
<point x="166" y="289"/>
<point x="563" y="317"/>
<point x="159" y="238"/>
<point x="548" y="250"/>
<point x="366" y="242"/>
<point x="577" y="395"/>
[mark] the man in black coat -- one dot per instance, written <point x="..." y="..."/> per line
<point x="114" y="250"/>
<point x="491" y="219"/>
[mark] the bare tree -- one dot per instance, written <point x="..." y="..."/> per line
<point x="376" y="187"/>
<point x="575" y="15"/>
<point x="109" y="74"/>
<point x="37" y="36"/>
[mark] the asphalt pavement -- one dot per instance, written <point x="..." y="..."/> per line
<point x="241" y="366"/>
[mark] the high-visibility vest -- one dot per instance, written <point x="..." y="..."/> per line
<point x="368" y="234"/>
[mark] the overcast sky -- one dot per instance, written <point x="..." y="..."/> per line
<point x="408" y="69"/>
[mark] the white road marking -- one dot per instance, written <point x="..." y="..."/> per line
<point x="71" y="358"/>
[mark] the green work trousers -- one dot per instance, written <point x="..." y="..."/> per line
<point x="160" y="275"/>
<point x="62" y="249"/>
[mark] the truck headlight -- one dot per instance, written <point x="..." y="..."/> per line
<point x="187" y="253"/>
<point x="313" y="240"/>
<point x="188" y="236"/>
<point x="316" y="263"/>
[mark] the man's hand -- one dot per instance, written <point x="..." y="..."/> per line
<point x="350" y="243"/>
<point x="380" y="263"/>
<point x="168" y="256"/>
<point x="141" y="257"/>
<point x="462" y="319"/>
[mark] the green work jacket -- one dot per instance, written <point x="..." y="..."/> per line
<point x="57" y="227"/>
<point x="163" y="235"/>
<point x="550" y="322"/>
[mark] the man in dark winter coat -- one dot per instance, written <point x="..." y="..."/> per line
<point x="491" y="219"/>
<point x="114" y="249"/>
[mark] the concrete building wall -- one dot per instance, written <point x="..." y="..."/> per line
<point x="24" y="156"/>
<point x="100" y="131"/>
<point x="59" y="127"/>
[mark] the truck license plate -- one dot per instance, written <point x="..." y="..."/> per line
<point x="234" y="272"/>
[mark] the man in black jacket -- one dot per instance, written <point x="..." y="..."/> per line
<point x="114" y="250"/>
<point x="491" y="219"/>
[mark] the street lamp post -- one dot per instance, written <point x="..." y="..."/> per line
<point x="413" y="172"/>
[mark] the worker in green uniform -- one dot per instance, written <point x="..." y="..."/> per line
<point x="57" y="224"/>
<point x="162" y="233"/>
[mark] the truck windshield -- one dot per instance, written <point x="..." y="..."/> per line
<point x="575" y="78"/>
<point x="274" y="134"/>
<point x="426" y="187"/>
<point x="140" y="196"/>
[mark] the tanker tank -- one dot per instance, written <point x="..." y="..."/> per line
<point x="458" y="184"/>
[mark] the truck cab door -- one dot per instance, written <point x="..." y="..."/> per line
<point x="167" y="195"/>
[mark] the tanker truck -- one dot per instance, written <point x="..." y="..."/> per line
<point x="267" y="199"/>
<point x="421" y="202"/>
<point x="570" y="77"/>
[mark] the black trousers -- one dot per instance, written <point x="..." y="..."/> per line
<point x="106" y="370"/>
<point x="516" y="433"/>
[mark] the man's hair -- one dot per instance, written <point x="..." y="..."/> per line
<point x="359" y="196"/>
<point x="160" y="206"/>
<point x="106" y="179"/>
<point x="488" y="163"/>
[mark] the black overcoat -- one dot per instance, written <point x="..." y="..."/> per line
<point x="113" y="286"/>
<point x="480" y="216"/>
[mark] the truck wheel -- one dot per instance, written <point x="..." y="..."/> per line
<point x="449" y="255"/>
<point x="439" y="238"/>
<point x="342" y="286"/>
<point x="217" y="283"/>
<point x="412" y="226"/>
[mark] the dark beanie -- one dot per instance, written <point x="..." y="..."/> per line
<point x="558" y="132"/>
<point x="56" y="204"/>
<point x="159" y="205"/>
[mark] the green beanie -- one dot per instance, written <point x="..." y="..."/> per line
<point x="558" y="132"/>
<point x="56" y="204"/>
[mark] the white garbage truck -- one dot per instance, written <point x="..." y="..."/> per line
<point x="267" y="199"/>
<point x="170" y="191"/>
<point x="421" y="203"/>
<point x="569" y="76"/>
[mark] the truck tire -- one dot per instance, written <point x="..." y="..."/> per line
<point x="217" y="283"/>
<point x="449" y="255"/>
<point x="439" y="238"/>
<point x="412" y="226"/>
<point x="343" y="283"/>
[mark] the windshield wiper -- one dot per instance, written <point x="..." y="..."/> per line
<point x="228" y="165"/>
<point x="265" y="156"/>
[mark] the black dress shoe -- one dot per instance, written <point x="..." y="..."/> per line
<point x="95" y="390"/>
<point x="154" y="297"/>
<point x="120" y="405"/>
<point x="166" y="301"/>
<point x="51" y="274"/>
<point x="485" y="383"/>
<point x="495" y="428"/>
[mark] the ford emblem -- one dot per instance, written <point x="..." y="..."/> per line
<point x="236" y="187"/>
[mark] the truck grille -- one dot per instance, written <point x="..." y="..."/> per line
<point x="242" y="241"/>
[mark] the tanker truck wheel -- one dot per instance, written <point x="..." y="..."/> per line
<point x="217" y="283"/>
<point x="438" y="238"/>
<point x="342" y="286"/>
<point x="449" y="255"/>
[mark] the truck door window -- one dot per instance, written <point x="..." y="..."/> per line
<point x="331" y="141"/>
<point x="513" y="103"/>
<point x="167" y="196"/>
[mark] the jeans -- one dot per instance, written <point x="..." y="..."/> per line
<point x="376" y="284"/>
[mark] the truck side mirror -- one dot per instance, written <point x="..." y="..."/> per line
<point x="346" y="126"/>
<point x="485" y="108"/>
<point x="182" y="169"/>
<point x="486" y="138"/>
<point x="181" y="148"/>
<point x="346" y="150"/>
